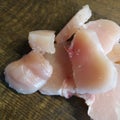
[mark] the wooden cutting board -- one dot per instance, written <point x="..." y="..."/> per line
<point x="17" y="18"/>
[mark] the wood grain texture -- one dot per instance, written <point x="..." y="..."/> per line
<point x="17" y="18"/>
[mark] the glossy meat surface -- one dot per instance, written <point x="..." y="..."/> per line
<point x="107" y="103"/>
<point x="74" y="24"/>
<point x="28" y="74"/>
<point x="93" y="72"/>
<point x="107" y="31"/>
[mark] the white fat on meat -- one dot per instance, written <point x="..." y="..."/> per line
<point x="28" y="74"/>
<point x="74" y="24"/>
<point x="107" y="31"/>
<point x="93" y="72"/>
<point x="107" y="103"/>
<point x="61" y="82"/>
<point x="42" y="41"/>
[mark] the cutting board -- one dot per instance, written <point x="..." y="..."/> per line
<point x="17" y="18"/>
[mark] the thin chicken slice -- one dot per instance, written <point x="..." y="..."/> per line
<point x="114" y="55"/>
<point x="108" y="32"/>
<point x="42" y="41"/>
<point x="28" y="74"/>
<point x="74" y="24"/>
<point x="61" y="82"/>
<point x="107" y="103"/>
<point x="93" y="72"/>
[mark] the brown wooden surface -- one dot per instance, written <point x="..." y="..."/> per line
<point x="17" y="18"/>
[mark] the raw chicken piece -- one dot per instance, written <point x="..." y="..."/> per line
<point x="42" y="40"/>
<point x="93" y="72"/>
<point x="107" y="104"/>
<point x="28" y="74"/>
<point x="114" y="55"/>
<point x="108" y="32"/>
<point x="76" y="22"/>
<point x="61" y="81"/>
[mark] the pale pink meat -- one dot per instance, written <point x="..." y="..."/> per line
<point x="61" y="82"/>
<point x="74" y="24"/>
<point x="42" y="41"/>
<point x="108" y="32"/>
<point x="114" y="55"/>
<point x="83" y="68"/>
<point x="107" y="105"/>
<point x="28" y="74"/>
<point x="93" y="72"/>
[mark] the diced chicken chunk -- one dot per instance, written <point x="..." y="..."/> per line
<point x="93" y="72"/>
<point x="74" y="24"/>
<point x="42" y="41"/>
<point x="108" y="32"/>
<point x="28" y="74"/>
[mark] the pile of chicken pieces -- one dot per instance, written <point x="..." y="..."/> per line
<point x="86" y="66"/>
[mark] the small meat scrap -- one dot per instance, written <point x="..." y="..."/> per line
<point x="42" y="41"/>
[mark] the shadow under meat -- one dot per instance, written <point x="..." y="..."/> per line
<point x="79" y="108"/>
